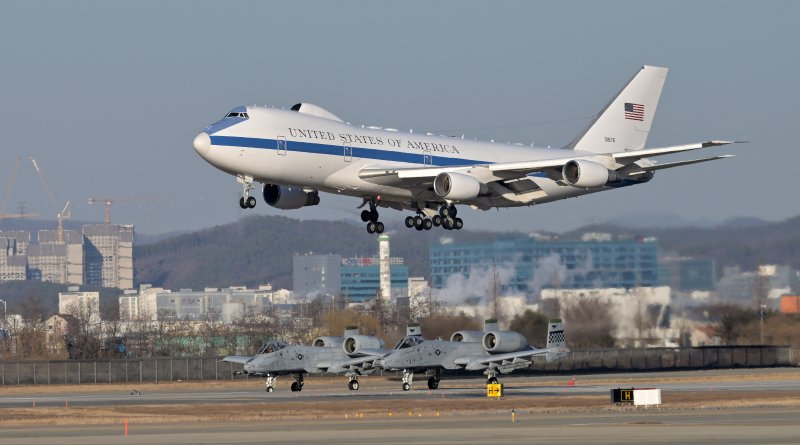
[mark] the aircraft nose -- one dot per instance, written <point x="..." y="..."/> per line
<point x="202" y="144"/>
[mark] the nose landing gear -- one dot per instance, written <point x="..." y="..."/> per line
<point x="246" y="201"/>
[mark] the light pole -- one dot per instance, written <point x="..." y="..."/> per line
<point x="761" y="313"/>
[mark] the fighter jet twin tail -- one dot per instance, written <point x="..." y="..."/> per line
<point x="492" y="351"/>
<point x="300" y="152"/>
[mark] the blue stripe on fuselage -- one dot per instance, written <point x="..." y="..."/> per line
<point x="338" y="150"/>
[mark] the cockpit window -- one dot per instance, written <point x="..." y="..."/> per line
<point x="237" y="114"/>
<point x="409" y="342"/>
<point x="271" y="346"/>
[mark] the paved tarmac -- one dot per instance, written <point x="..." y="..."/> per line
<point x="735" y="426"/>
<point x="379" y="389"/>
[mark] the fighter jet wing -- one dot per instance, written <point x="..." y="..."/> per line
<point x="502" y="362"/>
<point x="359" y="365"/>
<point x="241" y="359"/>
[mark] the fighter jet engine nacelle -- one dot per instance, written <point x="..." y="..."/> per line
<point x="289" y="197"/>
<point x="357" y="343"/>
<point x="328" y="342"/>
<point x="587" y="174"/>
<point x="467" y="336"/>
<point x="457" y="186"/>
<point x="498" y="342"/>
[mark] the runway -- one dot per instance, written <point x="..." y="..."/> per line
<point x="721" y="406"/>
<point x="382" y="389"/>
<point x="763" y="426"/>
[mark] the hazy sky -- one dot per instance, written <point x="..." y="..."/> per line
<point x="108" y="96"/>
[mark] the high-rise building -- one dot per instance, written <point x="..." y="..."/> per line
<point x="57" y="261"/>
<point x="108" y="255"/>
<point x="386" y="275"/>
<point x="314" y="275"/>
<point x="533" y="264"/>
<point x="13" y="266"/>
<point x="362" y="279"/>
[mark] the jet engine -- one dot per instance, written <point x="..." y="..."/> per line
<point x="467" y="336"/>
<point x="328" y="342"/>
<point x="498" y="342"/>
<point x="354" y="344"/>
<point x="457" y="186"/>
<point x="289" y="197"/>
<point x="587" y="174"/>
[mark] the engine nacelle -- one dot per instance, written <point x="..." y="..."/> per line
<point x="498" y="342"/>
<point x="354" y="344"/>
<point x="289" y="197"/>
<point x="328" y="342"/>
<point x="587" y="174"/>
<point x="467" y="336"/>
<point x="457" y="186"/>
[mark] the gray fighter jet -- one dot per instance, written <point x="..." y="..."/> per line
<point x="326" y="354"/>
<point x="493" y="351"/>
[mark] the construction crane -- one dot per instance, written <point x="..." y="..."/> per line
<point x="7" y="194"/>
<point x="109" y="201"/>
<point x="63" y="214"/>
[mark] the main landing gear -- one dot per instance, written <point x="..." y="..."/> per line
<point x="491" y="378"/>
<point x="446" y="219"/>
<point x="246" y="201"/>
<point x="297" y="385"/>
<point x="433" y="381"/>
<point x="353" y="383"/>
<point x="371" y="218"/>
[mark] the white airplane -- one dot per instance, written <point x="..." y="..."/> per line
<point x="300" y="152"/>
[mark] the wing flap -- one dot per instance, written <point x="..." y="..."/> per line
<point x="654" y="167"/>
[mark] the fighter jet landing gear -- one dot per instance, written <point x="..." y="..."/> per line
<point x="297" y="385"/>
<point x="246" y="201"/>
<point x="408" y="378"/>
<point x="371" y="218"/>
<point x="271" y="381"/>
<point x="353" y="383"/>
<point x="491" y="378"/>
<point x="433" y="381"/>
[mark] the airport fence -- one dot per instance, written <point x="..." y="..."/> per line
<point x="587" y="360"/>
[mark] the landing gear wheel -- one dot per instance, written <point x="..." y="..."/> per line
<point x="452" y="211"/>
<point x="365" y="215"/>
<point x="270" y="389"/>
<point x="437" y="220"/>
<point x="406" y="386"/>
<point x="353" y="385"/>
<point x="409" y="221"/>
<point x="447" y="223"/>
<point x="458" y="223"/>
<point x="379" y="227"/>
<point x="373" y="215"/>
<point x="371" y="227"/>
<point x="297" y="387"/>
<point x="251" y="202"/>
<point x="242" y="203"/>
<point x="427" y="224"/>
<point x="418" y="221"/>
<point x="433" y="383"/>
<point x="491" y="381"/>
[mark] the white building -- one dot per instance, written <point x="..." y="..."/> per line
<point x="81" y="305"/>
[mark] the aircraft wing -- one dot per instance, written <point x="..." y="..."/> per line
<point x="503" y="363"/>
<point x="360" y="365"/>
<point x="511" y="170"/>
<point x="241" y="359"/>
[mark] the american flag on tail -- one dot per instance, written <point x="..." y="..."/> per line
<point x="634" y="111"/>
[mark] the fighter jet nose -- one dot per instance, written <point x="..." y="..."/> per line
<point x="202" y="144"/>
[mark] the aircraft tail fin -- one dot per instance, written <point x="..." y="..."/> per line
<point x="626" y="120"/>
<point x="350" y="331"/>
<point x="556" y="341"/>
<point x="490" y="325"/>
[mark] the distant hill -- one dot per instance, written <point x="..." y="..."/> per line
<point x="259" y="249"/>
